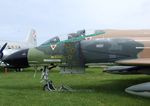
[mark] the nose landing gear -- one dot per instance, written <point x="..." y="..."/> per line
<point x="48" y="86"/>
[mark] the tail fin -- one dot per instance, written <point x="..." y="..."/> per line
<point x="32" y="38"/>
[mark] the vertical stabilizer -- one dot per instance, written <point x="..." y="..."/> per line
<point x="32" y="38"/>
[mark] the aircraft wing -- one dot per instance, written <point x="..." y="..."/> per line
<point x="135" y="62"/>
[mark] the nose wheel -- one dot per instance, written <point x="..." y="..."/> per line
<point x="48" y="86"/>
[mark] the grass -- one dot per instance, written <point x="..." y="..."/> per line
<point x="93" y="88"/>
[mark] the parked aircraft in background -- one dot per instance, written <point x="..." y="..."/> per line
<point x="10" y="47"/>
<point x="129" y="49"/>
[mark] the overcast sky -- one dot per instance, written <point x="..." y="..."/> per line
<point x="56" y="17"/>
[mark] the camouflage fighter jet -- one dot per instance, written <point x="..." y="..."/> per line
<point x="55" y="52"/>
<point x="128" y="49"/>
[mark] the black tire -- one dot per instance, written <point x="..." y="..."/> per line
<point x="49" y="86"/>
<point x="45" y="88"/>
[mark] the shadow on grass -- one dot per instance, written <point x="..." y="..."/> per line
<point x="21" y="87"/>
<point x="113" y="87"/>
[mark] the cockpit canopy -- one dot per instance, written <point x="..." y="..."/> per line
<point x="80" y="33"/>
<point x="77" y="34"/>
<point x="53" y="40"/>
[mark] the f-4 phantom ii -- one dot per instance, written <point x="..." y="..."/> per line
<point x="9" y="47"/>
<point x="128" y="49"/>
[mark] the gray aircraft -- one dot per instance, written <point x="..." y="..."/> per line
<point x="13" y="46"/>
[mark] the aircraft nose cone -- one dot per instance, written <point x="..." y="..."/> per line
<point x="18" y="59"/>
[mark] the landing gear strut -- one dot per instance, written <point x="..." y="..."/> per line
<point x="48" y="86"/>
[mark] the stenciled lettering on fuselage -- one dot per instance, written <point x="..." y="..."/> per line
<point x="56" y="57"/>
